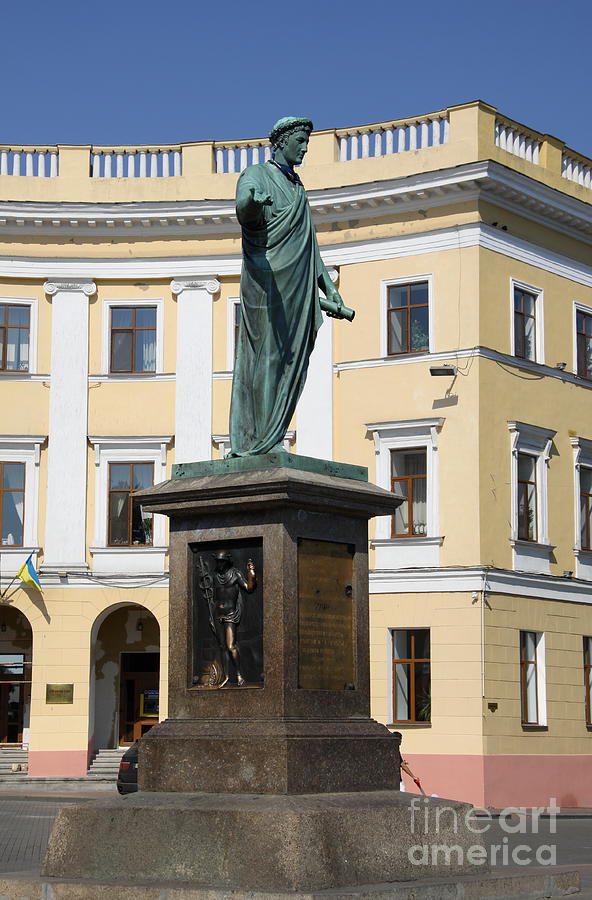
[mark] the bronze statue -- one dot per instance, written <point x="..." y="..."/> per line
<point x="223" y="590"/>
<point x="281" y="307"/>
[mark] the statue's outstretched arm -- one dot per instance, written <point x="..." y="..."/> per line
<point x="249" y="583"/>
<point x="250" y="200"/>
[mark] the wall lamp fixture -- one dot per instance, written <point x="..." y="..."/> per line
<point x="443" y="370"/>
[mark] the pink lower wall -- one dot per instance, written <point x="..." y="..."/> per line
<point x="505" y="780"/>
<point x="58" y="762"/>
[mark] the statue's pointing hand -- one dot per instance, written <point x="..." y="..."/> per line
<point x="263" y="198"/>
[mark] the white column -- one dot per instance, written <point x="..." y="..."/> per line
<point x="65" y="520"/>
<point x="314" y="414"/>
<point x="193" y="395"/>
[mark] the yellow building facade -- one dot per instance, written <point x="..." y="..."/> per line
<point x="462" y="239"/>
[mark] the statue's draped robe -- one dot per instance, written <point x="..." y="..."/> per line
<point x="280" y="312"/>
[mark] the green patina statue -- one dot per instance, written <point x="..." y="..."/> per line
<point x="280" y="304"/>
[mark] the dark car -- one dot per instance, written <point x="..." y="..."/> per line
<point x="127" y="777"/>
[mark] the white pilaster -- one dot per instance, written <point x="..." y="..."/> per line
<point x="193" y="397"/>
<point x="314" y="414"/>
<point x="65" y="522"/>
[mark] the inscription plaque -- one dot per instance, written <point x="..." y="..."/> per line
<point x="59" y="693"/>
<point x="325" y="617"/>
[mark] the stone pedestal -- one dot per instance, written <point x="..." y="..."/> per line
<point x="302" y="725"/>
<point x="284" y="782"/>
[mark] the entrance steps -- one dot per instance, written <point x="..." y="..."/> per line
<point x="105" y="764"/>
<point x="13" y="760"/>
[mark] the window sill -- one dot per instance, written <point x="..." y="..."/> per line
<point x="542" y="548"/>
<point x="135" y="560"/>
<point x="408" y="724"/>
<point x="526" y="727"/>
<point x="530" y="556"/>
<point x="136" y="376"/>
<point x="15" y="557"/>
<point x="406" y="552"/>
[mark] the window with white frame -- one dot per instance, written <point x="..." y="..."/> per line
<point x="582" y="450"/>
<point x="588" y="678"/>
<point x="409" y="478"/>
<point x="132" y="338"/>
<point x="407" y="320"/>
<point x="19" y="497"/>
<point x="533" y="699"/>
<point x="126" y="539"/>
<point x="18" y="335"/>
<point x="527" y="322"/>
<point x="583" y="341"/>
<point x="531" y="451"/>
<point x="407" y="463"/>
<point x="232" y="326"/>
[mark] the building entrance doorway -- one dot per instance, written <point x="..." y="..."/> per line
<point x="15" y="678"/>
<point x="138" y="701"/>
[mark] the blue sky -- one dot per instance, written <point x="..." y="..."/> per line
<point x="85" y="71"/>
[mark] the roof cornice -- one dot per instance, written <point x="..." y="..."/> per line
<point x="445" y="187"/>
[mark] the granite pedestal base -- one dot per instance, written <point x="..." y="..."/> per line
<point x="254" y="842"/>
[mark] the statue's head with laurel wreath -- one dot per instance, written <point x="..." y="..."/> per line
<point x="289" y="139"/>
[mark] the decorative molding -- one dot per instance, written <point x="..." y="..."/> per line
<point x="376" y="199"/>
<point x="453" y="238"/>
<point x="211" y="285"/>
<point x="480" y="578"/>
<point x="85" y="287"/>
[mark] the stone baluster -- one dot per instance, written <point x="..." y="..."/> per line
<point x="389" y="141"/>
<point x="165" y="164"/>
<point x="425" y="134"/>
<point x="176" y="162"/>
<point x="365" y="144"/>
<point x="16" y="163"/>
<point x="53" y="165"/>
<point x="131" y="164"/>
<point x="4" y="162"/>
<point x="119" y="165"/>
<point x="142" y="164"/>
<point x="400" y="139"/>
<point x="108" y="160"/>
<point x="153" y="164"/>
<point x="41" y="164"/>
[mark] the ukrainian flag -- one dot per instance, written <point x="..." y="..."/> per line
<point x="28" y="574"/>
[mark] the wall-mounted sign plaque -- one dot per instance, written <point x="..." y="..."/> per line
<point x="59" y="693"/>
<point x="325" y="616"/>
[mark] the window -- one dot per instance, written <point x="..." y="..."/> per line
<point x="14" y="337"/>
<point x="531" y="452"/>
<point x="584" y="343"/>
<point x="133" y="339"/>
<point x="12" y="503"/>
<point x="409" y="477"/>
<point x="407" y="462"/>
<point x="532" y="678"/>
<point x="524" y="324"/>
<point x="527" y="498"/>
<point x="122" y="542"/>
<point x="585" y="507"/>
<point x="411" y="675"/>
<point x="408" y="318"/>
<point x="588" y="678"/>
<point x="527" y="338"/>
<point x="128" y="525"/>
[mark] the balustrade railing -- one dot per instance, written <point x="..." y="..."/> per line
<point x="140" y="162"/>
<point x="237" y="155"/>
<point x="575" y="170"/>
<point x="38" y="162"/>
<point x="394" y="137"/>
<point x="517" y="141"/>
